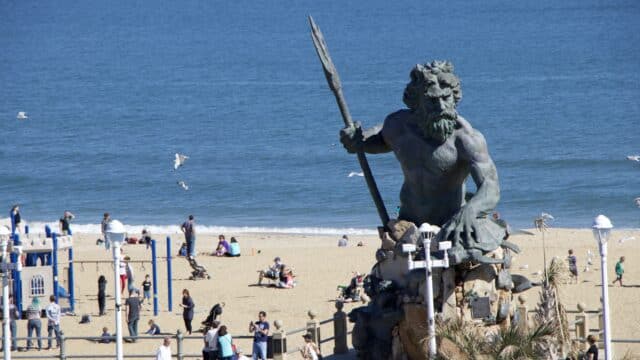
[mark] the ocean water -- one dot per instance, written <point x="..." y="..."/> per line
<point x="114" y="89"/>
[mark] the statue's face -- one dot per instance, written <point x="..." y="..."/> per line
<point x="438" y="97"/>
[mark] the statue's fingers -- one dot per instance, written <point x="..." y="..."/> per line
<point x="467" y="233"/>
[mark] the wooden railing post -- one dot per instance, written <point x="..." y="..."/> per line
<point x="340" y="330"/>
<point x="279" y="344"/>
<point x="313" y="328"/>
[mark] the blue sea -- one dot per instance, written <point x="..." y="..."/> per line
<point x="113" y="89"/>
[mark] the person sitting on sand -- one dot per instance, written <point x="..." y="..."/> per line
<point x="286" y="278"/>
<point x="154" y="329"/>
<point x="234" y="248"/>
<point x="343" y="242"/>
<point x="105" y="338"/>
<point x="354" y="290"/>
<point x="273" y="272"/>
<point x="223" y="246"/>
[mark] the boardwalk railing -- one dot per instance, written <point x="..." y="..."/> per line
<point x="277" y="347"/>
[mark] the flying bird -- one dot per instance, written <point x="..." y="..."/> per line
<point x="625" y="239"/>
<point x="353" y="173"/>
<point x="637" y="201"/>
<point x="633" y="157"/>
<point x="183" y="185"/>
<point x="22" y="115"/>
<point x="179" y="161"/>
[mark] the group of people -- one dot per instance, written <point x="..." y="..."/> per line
<point x="64" y="224"/>
<point x="225" y="248"/>
<point x="34" y="324"/>
<point x="280" y="272"/>
<point x="573" y="268"/>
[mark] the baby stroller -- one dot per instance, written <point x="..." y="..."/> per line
<point x="199" y="271"/>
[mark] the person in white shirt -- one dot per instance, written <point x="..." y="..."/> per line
<point x="53" y="320"/>
<point x="343" y="241"/>
<point x="210" y="351"/>
<point x="164" y="351"/>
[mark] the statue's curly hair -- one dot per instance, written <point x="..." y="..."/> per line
<point x="421" y="75"/>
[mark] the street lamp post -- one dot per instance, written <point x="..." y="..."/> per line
<point x="6" y="267"/>
<point x="4" y="244"/>
<point x="115" y="234"/>
<point x="428" y="232"/>
<point x="601" y="229"/>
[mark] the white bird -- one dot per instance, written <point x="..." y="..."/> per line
<point x="624" y="239"/>
<point x="183" y="185"/>
<point x="539" y="272"/>
<point x="633" y="157"/>
<point x="546" y="216"/>
<point x="637" y="201"/>
<point x="179" y="160"/>
<point x="353" y="173"/>
<point x="524" y="267"/>
<point x="22" y="115"/>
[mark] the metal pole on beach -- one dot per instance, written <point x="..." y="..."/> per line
<point x="115" y="233"/>
<point x="154" y="273"/>
<point x="72" y="293"/>
<point x="169" y="286"/>
<point x="54" y="237"/>
<point x="601" y="229"/>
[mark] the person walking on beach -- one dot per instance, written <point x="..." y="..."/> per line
<point x="573" y="265"/>
<point x="164" y="351"/>
<point x="34" y="323"/>
<point x="65" y="221"/>
<point x="187" y="309"/>
<point x="133" y="304"/>
<point x="106" y="218"/>
<point x="102" y="289"/>
<point x="123" y="272"/>
<point x="146" y="289"/>
<point x="189" y="230"/>
<point x="13" y="327"/>
<point x="260" y="330"/>
<point x="619" y="271"/>
<point x="53" y="321"/>
<point x="17" y="219"/>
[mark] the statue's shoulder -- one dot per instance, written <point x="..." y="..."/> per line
<point x="399" y="116"/>
<point x="471" y="139"/>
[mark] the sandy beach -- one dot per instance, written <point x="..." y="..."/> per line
<point x="319" y="267"/>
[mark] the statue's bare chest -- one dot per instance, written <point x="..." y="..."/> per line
<point x="419" y="155"/>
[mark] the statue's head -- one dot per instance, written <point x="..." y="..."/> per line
<point x="433" y="93"/>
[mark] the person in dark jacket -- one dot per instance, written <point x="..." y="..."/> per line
<point x="187" y="312"/>
<point x="102" y="288"/>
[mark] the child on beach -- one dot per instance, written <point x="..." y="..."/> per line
<point x="223" y="246"/>
<point x="146" y="289"/>
<point x="619" y="271"/>
<point x="105" y="337"/>
<point x="234" y="248"/>
<point x="154" y="329"/>
<point x="310" y="350"/>
<point x="573" y="265"/>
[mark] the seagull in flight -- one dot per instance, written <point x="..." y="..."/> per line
<point x="637" y="201"/>
<point x="622" y="241"/>
<point x="179" y="161"/>
<point x="633" y="157"/>
<point x="183" y="185"/>
<point x="22" y="115"/>
<point x="353" y="173"/>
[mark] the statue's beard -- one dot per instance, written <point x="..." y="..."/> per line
<point x="439" y="126"/>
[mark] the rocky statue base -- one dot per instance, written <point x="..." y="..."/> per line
<point x="394" y="326"/>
